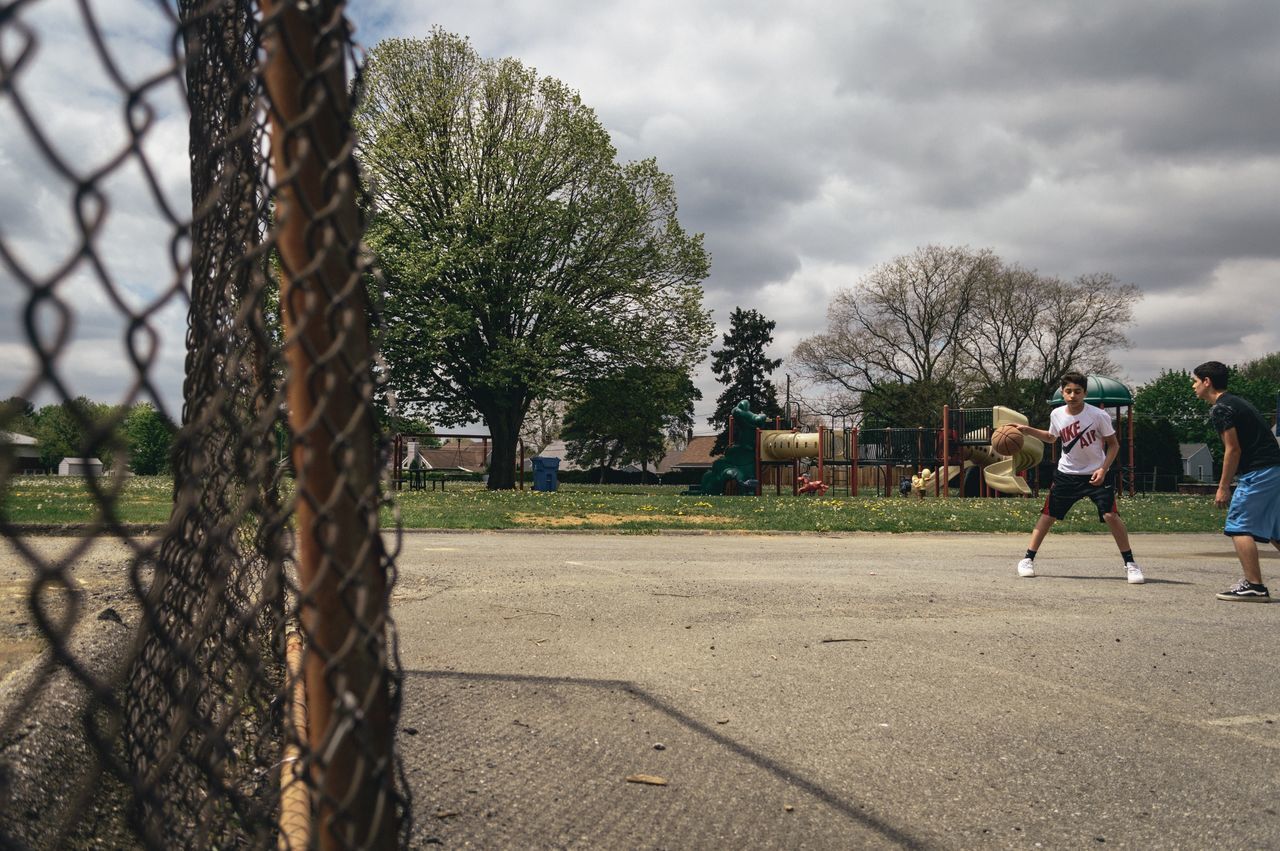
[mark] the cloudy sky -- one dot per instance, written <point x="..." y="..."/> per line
<point x="811" y="141"/>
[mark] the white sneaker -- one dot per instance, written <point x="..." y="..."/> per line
<point x="1135" y="574"/>
<point x="1027" y="567"/>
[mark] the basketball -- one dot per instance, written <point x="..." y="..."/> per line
<point x="1006" y="440"/>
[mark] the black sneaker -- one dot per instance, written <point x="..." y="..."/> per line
<point x="1245" y="591"/>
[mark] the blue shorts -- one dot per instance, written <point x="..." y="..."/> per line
<point x="1255" y="506"/>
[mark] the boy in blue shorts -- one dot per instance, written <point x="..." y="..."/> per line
<point x="1089" y="448"/>
<point x="1250" y="450"/>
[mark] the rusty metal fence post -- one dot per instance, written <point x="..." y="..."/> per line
<point x="252" y="689"/>
<point x="341" y="580"/>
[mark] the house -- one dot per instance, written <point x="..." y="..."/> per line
<point x="554" y="449"/>
<point x="89" y="467"/>
<point x="459" y="455"/>
<point x="696" y="455"/>
<point x="20" y="453"/>
<point x="1197" y="462"/>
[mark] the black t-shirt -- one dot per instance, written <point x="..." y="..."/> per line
<point x="1258" y="447"/>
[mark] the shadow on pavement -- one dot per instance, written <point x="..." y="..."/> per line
<point x="507" y="760"/>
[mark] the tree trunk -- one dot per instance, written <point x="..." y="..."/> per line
<point x="504" y="429"/>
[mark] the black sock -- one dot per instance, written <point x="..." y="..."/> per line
<point x="1127" y="555"/>
<point x="1031" y="554"/>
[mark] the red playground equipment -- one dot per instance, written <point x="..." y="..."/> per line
<point x="806" y="485"/>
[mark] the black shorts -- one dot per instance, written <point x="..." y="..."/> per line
<point x="1069" y="488"/>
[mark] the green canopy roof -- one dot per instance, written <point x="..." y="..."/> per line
<point x="1101" y="391"/>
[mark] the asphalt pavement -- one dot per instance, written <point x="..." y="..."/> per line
<point x="860" y="691"/>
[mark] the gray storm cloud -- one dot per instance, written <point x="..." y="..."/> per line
<point x="811" y="143"/>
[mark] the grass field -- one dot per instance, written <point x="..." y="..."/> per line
<point x="51" y="500"/>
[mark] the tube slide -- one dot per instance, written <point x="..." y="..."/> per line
<point x="788" y="445"/>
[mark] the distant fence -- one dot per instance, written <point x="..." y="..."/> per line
<point x="254" y="700"/>
<point x="1156" y="482"/>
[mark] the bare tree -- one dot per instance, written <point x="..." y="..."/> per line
<point x="1082" y="322"/>
<point x="1005" y="321"/>
<point x="542" y="424"/>
<point x="950" y="324"/>
<point x="903" y="324"/>
<point x="813" y="404"/>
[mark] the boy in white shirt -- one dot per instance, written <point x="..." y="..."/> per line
<point x="1089" y="448"/>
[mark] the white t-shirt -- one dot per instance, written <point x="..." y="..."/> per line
<point x="1083" y="448"/>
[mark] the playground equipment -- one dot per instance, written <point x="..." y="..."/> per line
<point x="920" y="482"/>
<point x="754" y="448"/>
<point x="889" y="457"/>
<point x="806" y="485"/>
<point x="966" y="445"/>
<point x="957" y="455"/>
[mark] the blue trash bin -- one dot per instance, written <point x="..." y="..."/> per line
<point x="546" y="473"/>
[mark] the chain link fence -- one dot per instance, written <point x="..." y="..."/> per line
<point x="228" y="679"/>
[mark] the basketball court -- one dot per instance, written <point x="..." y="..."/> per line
<point x="834" y="692"/>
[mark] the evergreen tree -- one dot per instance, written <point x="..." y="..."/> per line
<point x="744" y="369"/>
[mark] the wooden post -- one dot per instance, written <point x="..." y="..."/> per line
<point x="295" y="797"/>
<point x="341" y="580"/>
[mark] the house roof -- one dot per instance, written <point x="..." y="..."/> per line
<point x="13" y="438"/>
<point x="556" y="449"/>
<point x="468" y="456"/>
<point x="1187" y="450"/>
<point x="697" y="455"/>
<point x="667" y="462"/>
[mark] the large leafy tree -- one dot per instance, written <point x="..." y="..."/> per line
<point x="17" y="414"/>
<point x="1267" y="366"/>
<point x="78" y="428"/>
<point x="521" y="260"/>
<point x="628" y="417"/>
<point x="1168" y="398"/>
<point x="743" y="367"/>
<point x="149" y="437"/>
